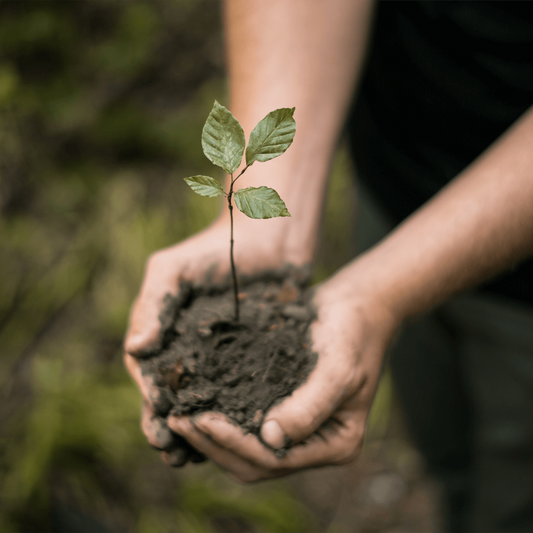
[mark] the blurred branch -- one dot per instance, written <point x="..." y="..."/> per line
<point x="52" y="318"/>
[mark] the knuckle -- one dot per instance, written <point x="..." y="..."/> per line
<point x="155" y="264"/>
<point x="134" y="342"/>
<point x="353" y="379"/>
<point x="131" y="345"/>
<point x="156" y="435"/>
<point x="154" y="259"/>
<point x="306" y="421"/>
<point x="174" y="458"/>
<point x="132" y="366"/>
<point x="153" y="441"/>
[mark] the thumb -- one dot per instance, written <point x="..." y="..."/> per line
<point x="143" y="332"/>
<point x="302" y="413"/>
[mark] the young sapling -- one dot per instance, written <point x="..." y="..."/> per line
<point x="224" y="144"/>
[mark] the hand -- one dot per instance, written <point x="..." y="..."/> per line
<point x="189" y="261"/>
<point x="326" y="416"/>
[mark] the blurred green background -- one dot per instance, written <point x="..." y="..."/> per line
<point x="102" y="104"/>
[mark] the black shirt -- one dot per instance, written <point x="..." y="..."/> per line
<point x="443" y="80"/>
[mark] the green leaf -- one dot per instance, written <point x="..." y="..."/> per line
<point x="260" y="202"/>
<point x="223" y="139"/>
<point x="272" y="136"/>
<point x="205" y="186"/>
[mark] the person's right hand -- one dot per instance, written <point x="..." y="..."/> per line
<point x="258" y="247"/>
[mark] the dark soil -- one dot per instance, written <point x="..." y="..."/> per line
<point x="210" y="362"/>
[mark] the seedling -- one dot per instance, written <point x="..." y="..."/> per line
<point x="223" y="143"/>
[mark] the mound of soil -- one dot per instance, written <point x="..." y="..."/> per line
<point x="210" y="362"/>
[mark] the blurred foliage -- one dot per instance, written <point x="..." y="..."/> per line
<point x="101" y="110"/>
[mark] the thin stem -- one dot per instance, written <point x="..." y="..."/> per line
<point x="243" y="171"/>
<point x="233" y="272"/>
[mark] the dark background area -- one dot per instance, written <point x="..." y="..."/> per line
<point x="102" y="104"/>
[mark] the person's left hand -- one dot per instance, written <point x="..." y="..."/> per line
<point x="325" y="418"/>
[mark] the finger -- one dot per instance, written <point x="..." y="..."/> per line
<point x="336" y="376"/>
<point x="180" y="452"/>
<point x="237" y="466"/>
<point x="160" y="436"/>
<point x="156" y="429"/>
<point x="222" y="431"/>
<point x="152" y="394"/>
<point x="309" y="406"/>
<point x="175" y="458"/>
<point x="334" y="443"/>
<point x="143" y="335"/>
<point x="146" y="384"/>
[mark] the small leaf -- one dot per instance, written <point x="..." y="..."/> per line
<point x="272" y="136"/>
<point x="205" y="186"/>
<point x="223" y="139"/>
<point x="260" y="202"/>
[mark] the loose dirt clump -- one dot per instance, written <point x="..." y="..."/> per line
<point x="209" y="362"/>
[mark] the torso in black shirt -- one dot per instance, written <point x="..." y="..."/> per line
<point x="444" y="79"/>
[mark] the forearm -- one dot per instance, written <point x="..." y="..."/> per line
<point x="304" y="54"/>
<point x="479" y="225"/>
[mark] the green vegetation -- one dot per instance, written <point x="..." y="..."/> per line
<point x="223" y="143"/>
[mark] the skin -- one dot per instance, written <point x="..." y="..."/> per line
<point x="477" y="226"/>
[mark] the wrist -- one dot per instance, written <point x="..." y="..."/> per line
<point x="357" y="291"/>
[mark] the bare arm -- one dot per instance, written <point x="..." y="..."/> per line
<point x="477" y="226"/>
<point x="304" y="54"/>
<point x="307" y="53"/>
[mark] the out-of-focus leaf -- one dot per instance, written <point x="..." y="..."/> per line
<point x="8" y="83"/>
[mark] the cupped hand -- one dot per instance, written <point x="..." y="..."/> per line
<point x="325" y="418"/>
<point x="205" y="254"/>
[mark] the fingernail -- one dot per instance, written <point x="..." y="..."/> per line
<point x="272" y="434"/>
